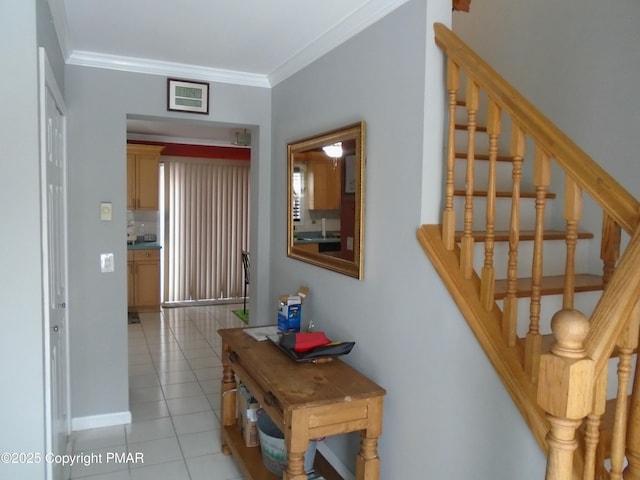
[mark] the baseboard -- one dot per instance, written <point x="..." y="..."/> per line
<point x="98" y="421"/>
<point x="335" y="462"/>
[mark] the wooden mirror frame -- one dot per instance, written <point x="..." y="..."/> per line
<point x="346" y="261"/>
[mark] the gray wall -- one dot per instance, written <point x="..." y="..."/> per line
<point x="444" y="399"/>
<point x="48" y="38"/>
<point x="21" y="375"/>
<point x="98" y="102"/>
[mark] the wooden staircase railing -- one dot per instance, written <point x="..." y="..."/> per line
<point x="559" y="386"/>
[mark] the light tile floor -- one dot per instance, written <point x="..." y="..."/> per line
<point x="174" y="387"/>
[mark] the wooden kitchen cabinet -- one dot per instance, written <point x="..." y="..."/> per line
<point x="143" y="167"/>
<point x="308" y="247"/>
<point x="324" y="183"/>
<point x="143" y="280"/>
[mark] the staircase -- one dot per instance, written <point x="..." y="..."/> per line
<point x="561" y="336"/>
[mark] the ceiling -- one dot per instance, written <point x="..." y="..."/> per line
<point x="247" y="42"/>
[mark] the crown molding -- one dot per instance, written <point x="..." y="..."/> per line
<point x="340" y="33"/>
<point x="157" y="67"/>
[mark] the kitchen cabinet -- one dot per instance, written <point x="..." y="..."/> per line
<point x="308" y="247"/>
<point x="143" y="167"/>
<point x="324" y="183"/>
<point x="143" y="280"/>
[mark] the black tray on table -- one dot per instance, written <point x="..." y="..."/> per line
<point x="318" y="354"/>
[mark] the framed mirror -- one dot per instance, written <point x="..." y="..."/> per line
<point x="325" y="191"/>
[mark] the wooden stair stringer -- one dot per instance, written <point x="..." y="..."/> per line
<point x="486" y="328"/>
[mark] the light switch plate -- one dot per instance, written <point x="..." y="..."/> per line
<point x="349" y="243"/>
<point x="105" y="211"/>
<point x="106" y="262"/>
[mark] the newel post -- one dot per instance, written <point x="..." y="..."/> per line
<point x="565" y="390"/>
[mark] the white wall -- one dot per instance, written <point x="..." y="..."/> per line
<point x="579" y="63"/>
<point x="446" y="413"/>
<point x="98" y="102"/>
<point x="21" y="283"/>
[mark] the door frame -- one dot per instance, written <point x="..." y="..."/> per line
<point x="47" y="81"/>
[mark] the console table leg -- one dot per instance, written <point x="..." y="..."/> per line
<point x="295" y="467"/>
<point x="368" y="462"/>
<point x="296" y="441"/>
<point x="227" y="400"/>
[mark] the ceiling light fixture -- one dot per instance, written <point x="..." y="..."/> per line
<point x="333" y="151"/>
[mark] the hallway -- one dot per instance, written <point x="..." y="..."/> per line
<point x="174" y="385"/>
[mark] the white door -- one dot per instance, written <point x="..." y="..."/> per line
<point x="54" y="250"/>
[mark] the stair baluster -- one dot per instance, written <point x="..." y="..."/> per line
<point x="570" y="382"/>
<point x="610" y="246"/>
<point x="594" y="456"/>
<point x="533" y="343"/>
<point x="487" y="286"/>
<point x="510" y="303"/>
<point x="466" y="254"/>
<point x="572" y="214"/>
<point x="632" y="472"/>
<point x="627" y="342"/>
<point x="448" y="217"/>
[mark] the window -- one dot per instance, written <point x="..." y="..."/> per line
<point x="297" y="195"/>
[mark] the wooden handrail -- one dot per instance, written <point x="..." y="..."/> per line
<point x="615" y="306"/>
<point x="609" y="317"/>
<point x="612" y="197"/>
<point x="571" y="379"/>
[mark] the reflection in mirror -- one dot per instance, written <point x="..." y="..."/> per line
<point x="326" y="199"/>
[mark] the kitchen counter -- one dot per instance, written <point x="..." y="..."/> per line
<point x="315" y="237"/>
<point x="144" y="246"/>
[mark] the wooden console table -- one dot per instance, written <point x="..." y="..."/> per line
<point x="305" y="400"/>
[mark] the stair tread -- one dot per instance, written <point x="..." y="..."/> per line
<point x="484" y="156"/>
<point x="464" y="126"/>
<point x="502" y="194"/>
<point x="551" y="285"/>
<point x="525" y="235"/>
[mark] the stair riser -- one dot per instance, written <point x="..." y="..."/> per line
<point x="481" y="175"/>
<point x="481" y="141"/>
<point x="553" y="257"/>
<point x="549" y="305"/>
<point x="503" y="213"/>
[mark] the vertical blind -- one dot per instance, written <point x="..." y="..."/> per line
<point x="206" y="228"/>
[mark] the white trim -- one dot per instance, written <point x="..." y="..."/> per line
<point x="99" y="421"/>
<point x="191" y="141"/>
<point x="157" y="67"/>
<point x="366" y="16"/>
<point x="47" y="83"/>
<point x="335" y="462"/>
